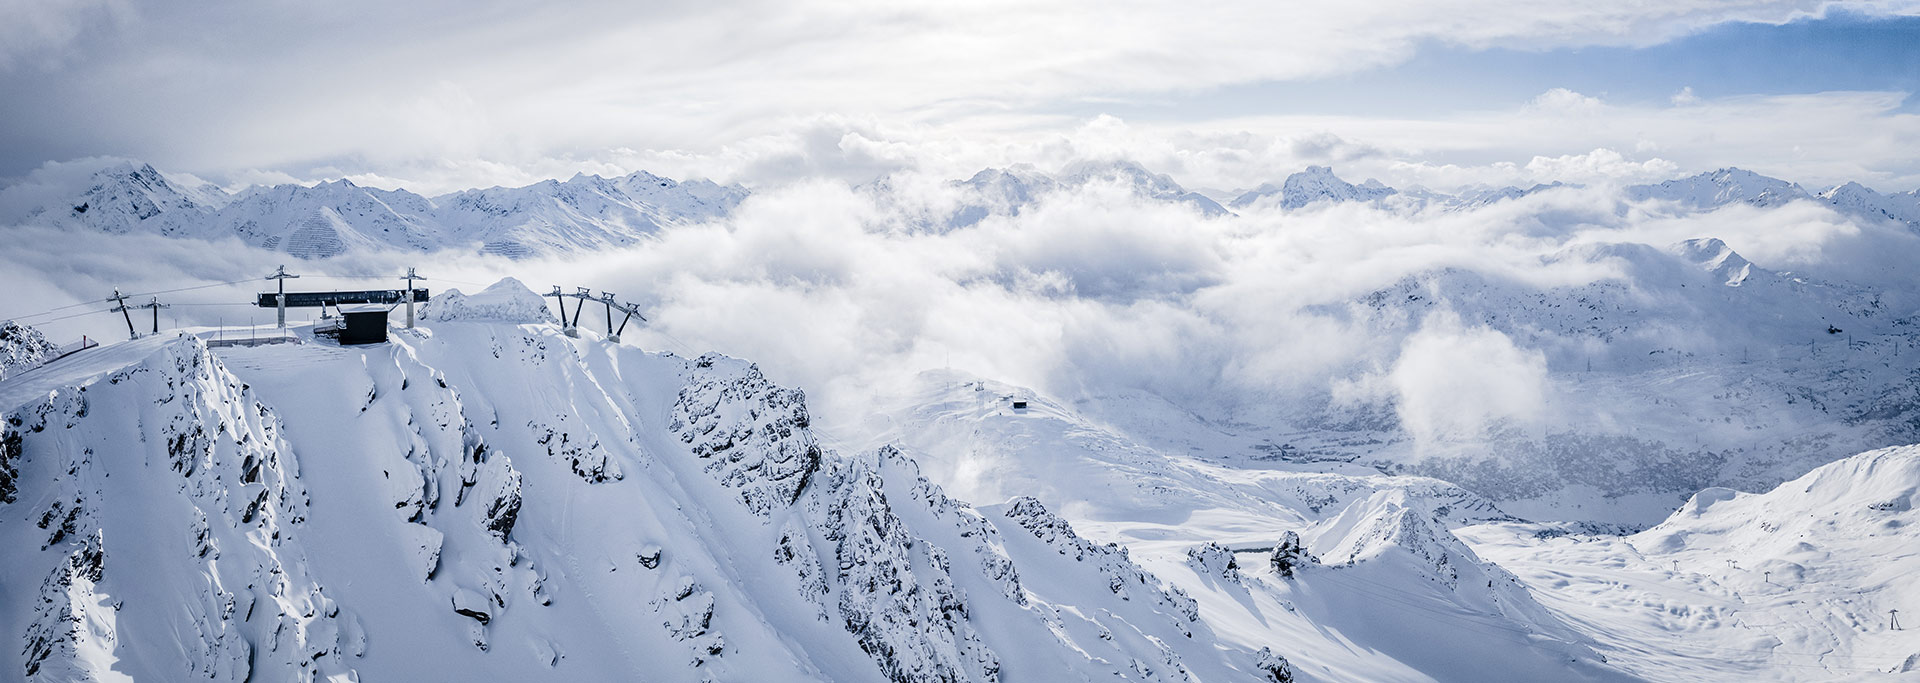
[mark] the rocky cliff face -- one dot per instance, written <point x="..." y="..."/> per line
<point x="22" y="348"/>
<point x="883" y="554"/>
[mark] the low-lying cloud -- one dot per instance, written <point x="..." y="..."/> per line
<point x="845" y="291"/>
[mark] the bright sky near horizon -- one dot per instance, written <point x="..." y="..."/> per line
<point x="436" y="96"/>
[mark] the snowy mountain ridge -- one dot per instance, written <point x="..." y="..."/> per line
<point x="1733" y="586"/>
<point x="590" y="212"/>
<point x="1317" y="183"/>
<point x="328" y="218"/>
<point x="485" y="499"/>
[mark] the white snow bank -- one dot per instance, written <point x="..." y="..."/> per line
<point x="506" y="301"/>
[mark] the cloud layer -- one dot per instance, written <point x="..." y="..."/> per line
<point x="440" y="96"/>
<point x="1093" y="291"/>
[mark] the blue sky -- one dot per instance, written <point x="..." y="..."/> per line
<point x="1841" y="51"/>
<point x="438" y="95"/>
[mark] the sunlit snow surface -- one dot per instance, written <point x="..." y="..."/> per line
<point x="490" y="501"/>
<point x="487" y="498"/>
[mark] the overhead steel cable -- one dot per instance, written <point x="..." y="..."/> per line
<point x="52" y="311"/>
<point x="77" y="315"/>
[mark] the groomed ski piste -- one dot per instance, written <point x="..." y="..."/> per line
<point x="487" y="498"/>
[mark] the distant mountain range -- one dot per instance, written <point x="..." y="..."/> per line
<point x="588" y="212"/>
<point x="326" y="219"/>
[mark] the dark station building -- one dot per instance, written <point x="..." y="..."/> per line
<point x="365" y="324"/>
<point x="363" y="313"/>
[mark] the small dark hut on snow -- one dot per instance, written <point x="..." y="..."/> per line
<point x="365" y="324"/>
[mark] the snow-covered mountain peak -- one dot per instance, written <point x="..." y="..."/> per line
<point x="1316" y="183"/>
<point x="1125" y="170"/>
<point x="1728" y="266"/>
<point x="1849" y="188"/>
<point x="1718" y="188"/>
<point x="1144" y="183"/>
<point x="1855" y="199"/>
<point x="1008" y="191"/>
<point x="127" y="193"/>
<point x="1392" y="532"/>
<point x="506" y="301"/>
<point x="585" y="211"/>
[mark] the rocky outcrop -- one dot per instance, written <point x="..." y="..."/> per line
<point x="22" y="348"/>
<point x="1277" y="668"/>
<point x="1213" y="560"/>
<point x="1124" y="578"/>
<point x="881" y="552"/>
<point x="1290" y="555"/>
<point x="896" y="593"/>
<point x="456" y="490"/>
<point x="752" y="432"/>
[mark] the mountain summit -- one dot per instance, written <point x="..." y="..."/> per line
<point x="1316" y="184"/>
